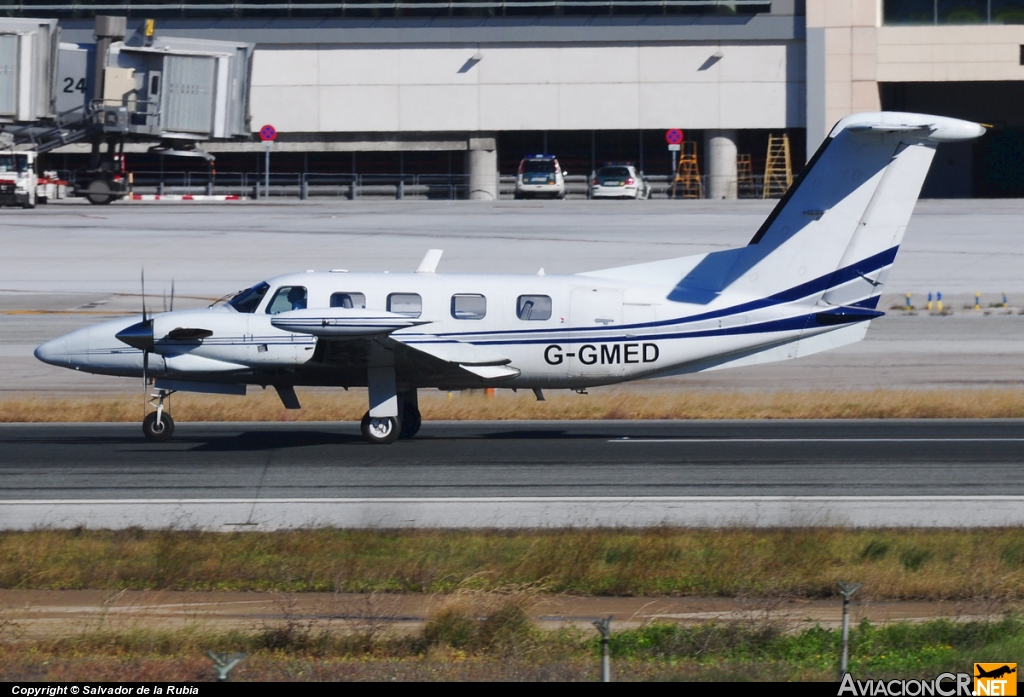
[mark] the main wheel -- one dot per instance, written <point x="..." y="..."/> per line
<point x="411" y="421"/>
<point x="158" y="432"/>
<point x="380" y="430"/>
<point x="99" y="192"/>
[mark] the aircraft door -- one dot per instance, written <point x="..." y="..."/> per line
<point x="595" y="315"/>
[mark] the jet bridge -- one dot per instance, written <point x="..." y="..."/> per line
<point x="173" y="92"/>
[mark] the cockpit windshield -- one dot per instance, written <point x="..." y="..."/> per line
<point x="248" y="300"/>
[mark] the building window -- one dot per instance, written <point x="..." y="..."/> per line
<point x="407" y="304"/>
<point x="349" y="300"/>
<point x="533" y="307"/>
<point x="287" y="298"/>
<point x="469" y="306"/>
<point x="953" y="11"/>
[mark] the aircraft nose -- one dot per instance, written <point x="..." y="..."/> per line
<point x="54" y="352"/>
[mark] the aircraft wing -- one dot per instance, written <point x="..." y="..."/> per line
<point x="417" y="359"/>
<point x="481" y="362"/>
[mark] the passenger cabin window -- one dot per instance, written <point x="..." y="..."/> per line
<point x="248" y="300"/>
<point x="287" y="298"/>
<point x="349" y="300"/>
<point x="534" y="307"/>
<point x="469" y="306"/>
<point x="408" y="304"/>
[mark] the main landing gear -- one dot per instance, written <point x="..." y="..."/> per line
<point x="384" y="430"/>
<point x="158" y="426"/>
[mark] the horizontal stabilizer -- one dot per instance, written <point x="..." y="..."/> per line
<point x="342" y="322"/>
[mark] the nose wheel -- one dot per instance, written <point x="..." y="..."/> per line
<point x="158" y="426"/>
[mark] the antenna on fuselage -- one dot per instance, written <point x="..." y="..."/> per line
<point x="430" y="261"/>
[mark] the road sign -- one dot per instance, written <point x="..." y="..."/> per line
<point x="674" y="147"/>
<point x="268" y="133"/>
<point x="674" y="136"/>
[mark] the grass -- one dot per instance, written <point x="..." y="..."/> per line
<point x="892" y="564"/>
<point x="321" y="405"/>
<point x="489" y="638"/>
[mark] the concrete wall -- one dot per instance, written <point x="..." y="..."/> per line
<point x="841" y="47"/>
<point x="954" y="54"/>
<point x="849" y="53"/>
<point x="497" y="88"/>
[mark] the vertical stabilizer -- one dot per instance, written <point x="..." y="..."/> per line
<point x="842" y="221"/>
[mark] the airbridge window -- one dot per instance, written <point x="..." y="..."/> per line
<point x="349" y="300"/>
<point x="469" y="306"/>
<point x="408" y="304"/>
<point x="287" y="298"/>
<point x="533" y="307"/>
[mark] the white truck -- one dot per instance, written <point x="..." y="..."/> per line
<point x="21" y="186"/>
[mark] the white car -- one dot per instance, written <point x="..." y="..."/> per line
<point x="540" y="175"/>
<point x="619" y="181"/>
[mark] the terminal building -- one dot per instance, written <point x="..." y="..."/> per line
<point x="471" y="86"/>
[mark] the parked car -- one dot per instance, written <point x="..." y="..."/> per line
<point x="540" y="175"/>
<point x="619" y="181"/>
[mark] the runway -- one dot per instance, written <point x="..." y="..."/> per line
<point x="619" y="458"/>
<point x="517" y="474"/>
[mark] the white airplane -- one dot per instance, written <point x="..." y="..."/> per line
<point x="808" y="281"/>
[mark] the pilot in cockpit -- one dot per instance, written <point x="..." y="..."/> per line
<point x="297" y="298"/>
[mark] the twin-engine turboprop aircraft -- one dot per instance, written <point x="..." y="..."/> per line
<point x="808" y="281"/>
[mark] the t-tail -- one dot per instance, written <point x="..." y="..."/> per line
<point x="832" y="239"/>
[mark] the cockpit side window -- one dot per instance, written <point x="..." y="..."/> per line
<point x="287" y="298"/>
<point x="349" y="300"/>
<point x="248" y="300"/>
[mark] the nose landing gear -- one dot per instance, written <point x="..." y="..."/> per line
<point x="158" y="426"/>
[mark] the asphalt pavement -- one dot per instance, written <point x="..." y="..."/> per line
<point x="516" y="459"/>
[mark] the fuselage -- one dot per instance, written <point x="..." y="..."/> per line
<point x="557" y="331"/>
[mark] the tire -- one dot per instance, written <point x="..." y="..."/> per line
<point x="411" y="421"/>
<point x="158" y="434"/>
<point x="380" y="430"/>
<point x="99" y="193"/>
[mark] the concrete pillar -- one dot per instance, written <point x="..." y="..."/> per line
<point x="720" y="161"/>
<point x="482" y="163"/>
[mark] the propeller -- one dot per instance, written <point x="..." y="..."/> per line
<point x="140" y="335"/>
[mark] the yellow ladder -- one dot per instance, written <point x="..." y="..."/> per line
<point x="745" y="177"/>
<point x="688" y="183"/>
<point x="778" y="168"/>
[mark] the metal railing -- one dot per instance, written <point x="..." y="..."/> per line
<point x="354" y="186"/>
<point x="302" y="185"/>
<point x="375" y="7"/>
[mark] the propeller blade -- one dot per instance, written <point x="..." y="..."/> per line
<point x="172" y="295"/>
<point x="144" y="315"/>
<point x="145" y="370"/>
<point x="165" y="300"/>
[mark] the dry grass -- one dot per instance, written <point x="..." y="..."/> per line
<point x="322" y="405"/>
<point x="493" y="642"/>
<point x="973" y="564"/>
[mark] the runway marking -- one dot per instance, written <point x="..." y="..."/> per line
<point x="627" y="439"/>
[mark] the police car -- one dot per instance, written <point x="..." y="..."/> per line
<point x="540" y="175"/>
<point x="619" y="181"/>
